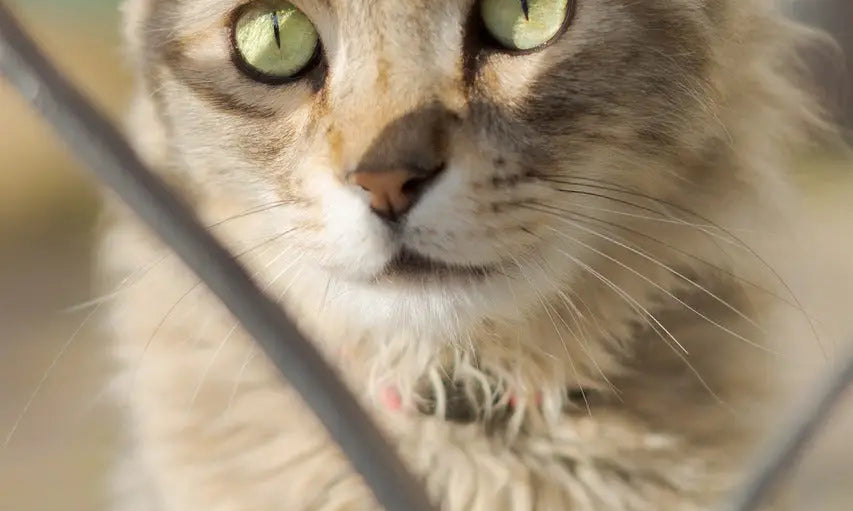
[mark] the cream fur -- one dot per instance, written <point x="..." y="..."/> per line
<point x="679" y="395"/>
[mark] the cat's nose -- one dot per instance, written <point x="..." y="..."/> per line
<point x="394" y="192"/>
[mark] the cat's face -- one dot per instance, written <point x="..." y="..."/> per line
<point x="505" y="155"/>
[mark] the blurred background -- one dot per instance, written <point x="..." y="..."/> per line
<point x="63" y="445"/>
<point x="65" y="436"/>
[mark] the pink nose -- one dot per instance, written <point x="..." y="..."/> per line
<point x="393" y="192"/>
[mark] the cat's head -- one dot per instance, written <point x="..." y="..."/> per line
<point x="447" y="161"/>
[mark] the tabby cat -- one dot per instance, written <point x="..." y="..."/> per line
<point x="525" y="232"/>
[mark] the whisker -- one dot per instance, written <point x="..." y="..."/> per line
<point x="254" y="211"/>
<point x="631" y="299"/>
<point x="578" y="319"/>
<point x="665" y="291"/>
<point x="736" y="241"/>
<point x="238" y="380"/>
<point x="325" y="296"/>
<point x="668" y="268"/>
<point x="210" y="364"/>
<point x="293" y="280"/>
<point x="548" y="309"/>
<point x="617" y="188"/>
<point x="671" y="221"/>
<point x="511" y="288"/>
<point x="252" y="353"/>
<point x="163" y="322"/>
<point x="186" y="294"/>
<point x="516" y="263"/>
<point x="44" y="378"/>
<point x="607" y="186"/>
<point x="579" y="337"/>
<point x="559" y="333"/>
<point x="675" y="272"/>
<point x="235" y="326"/>
<point x="657" y="329"/>
<point x="125" y="284"/>
<point x="684" y="253"/>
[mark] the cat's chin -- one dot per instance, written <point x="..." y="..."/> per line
<point x="403" y="266"/>
<point x="409" y="266"/>
<point x="435" y="302"/>
<point x="429" y="294"/>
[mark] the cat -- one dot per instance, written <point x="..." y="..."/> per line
<point x="525" y="232"/>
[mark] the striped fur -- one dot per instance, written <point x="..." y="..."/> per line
<point x="616" y="186"/>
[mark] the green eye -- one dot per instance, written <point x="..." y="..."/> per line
<point x="523" y="25"/>
<point x="275" y="45"/>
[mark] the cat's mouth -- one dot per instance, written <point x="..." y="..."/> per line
<point x="410" y="265"/>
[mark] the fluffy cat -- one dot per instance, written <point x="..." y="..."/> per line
<point x="525" y="232"/>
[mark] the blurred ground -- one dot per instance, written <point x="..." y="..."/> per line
<point x="61" y="449"/>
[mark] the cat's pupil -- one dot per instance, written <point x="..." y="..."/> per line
<point x="276" y="29"/>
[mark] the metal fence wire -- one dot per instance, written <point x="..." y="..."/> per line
<point x="99" y="145"/>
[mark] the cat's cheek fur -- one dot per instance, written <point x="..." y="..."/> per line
<point x="352" y="242"/>
<point x="449" y="224"/>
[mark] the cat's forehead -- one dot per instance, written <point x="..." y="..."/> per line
<point x="439" y="46"/>
<point x="377" y="10"/>
<point x="422" y="16"/>
<point x="358" y="21"/>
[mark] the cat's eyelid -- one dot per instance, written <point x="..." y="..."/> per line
<point x="317" y="11"/>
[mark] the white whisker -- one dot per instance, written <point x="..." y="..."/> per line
<point x="653" y="323"/>
<point x="125" y="284"/>
<point x="665" y="291"/>
<point x="45" y="376"/>
<point x="559" y="333"/>
<point x="235" y="326"/>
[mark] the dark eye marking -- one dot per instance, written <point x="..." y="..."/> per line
<point x="525" y="9"/>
